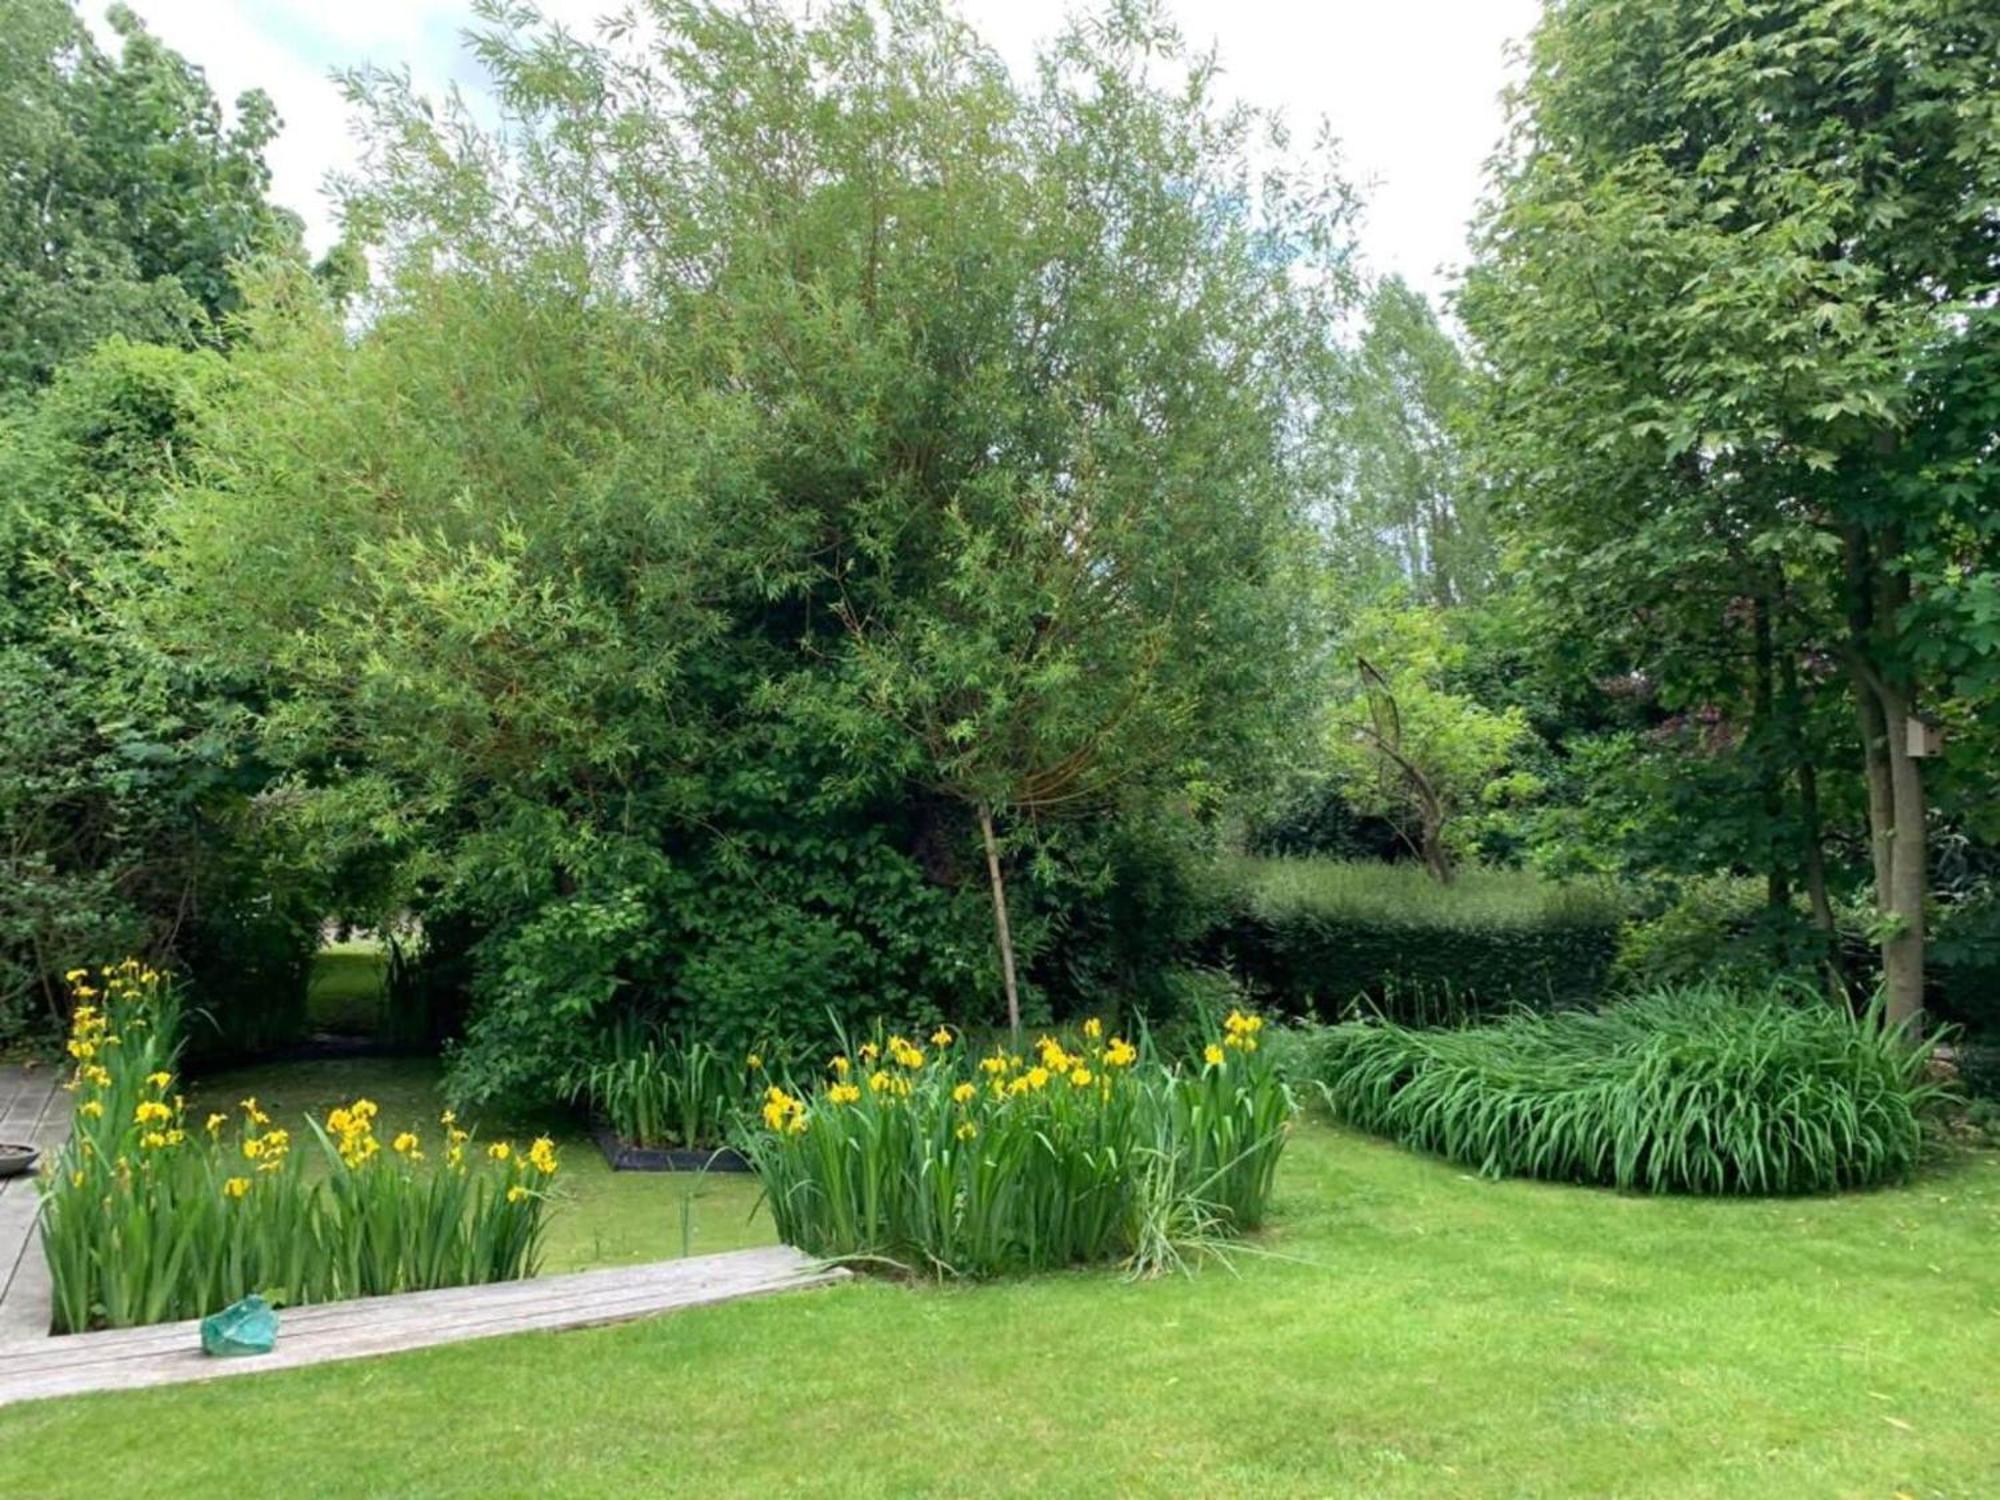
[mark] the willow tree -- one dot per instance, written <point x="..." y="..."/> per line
<point x="1737" y="269"/>
<point x="1076" y="581"/>
<point x="779" y="417"/>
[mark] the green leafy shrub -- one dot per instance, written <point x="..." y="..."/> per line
<point x="1979" y="1070"/>
<point x="130" y="802"/>
<point x="1702" y="929"/>
<point x="428" y="982"/>
<point x="1319" y="935"/>
<point x="665" y="614"/>
<point x="1309" y="818"/>
<point x="1087" y="1151"/>
<point x="146" y="1217"/>
<point x="1722" y="927"/>
<point x="1703" y="1089"/>
<point x="809" y="925"/>
<point x="249" y="963"/>
<point x="107" y="754"/>
<point x="1122" y="906"/>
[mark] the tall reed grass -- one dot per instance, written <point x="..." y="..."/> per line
<point x="1315" y="934"/>
<point x="1405" y="895"/>
<point x="1699" y="1089"/>
<point x="659" y="1088"/>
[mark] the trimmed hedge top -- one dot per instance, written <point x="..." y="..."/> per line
<point x="1320" y="935"/>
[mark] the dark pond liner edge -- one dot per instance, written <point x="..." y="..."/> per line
<point x="622" y="1156"/>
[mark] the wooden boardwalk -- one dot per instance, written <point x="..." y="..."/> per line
<point x="34" y="1111"/>
<point x="126" y="1358"/>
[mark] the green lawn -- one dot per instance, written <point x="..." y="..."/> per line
<point x="346" y="992"/>
<point x="1413" y="1331"/>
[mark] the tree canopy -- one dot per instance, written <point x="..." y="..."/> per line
<point x="788" y="440"/>
<point x="771" y="518"/>
<point x="1408" y="508"/>
<point x="1737" y="268"/>
<point x="127" y="199"/>
<point x="1408" y="747"/>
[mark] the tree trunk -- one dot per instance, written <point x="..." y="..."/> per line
<point x="1001" y="927"/>
<point x="1909" y="870"/>
<point x="1812" y="859"/>
<point x="1770" y="774"/>
<point x="1875" y="770"/>
<point x="1896" y="812"/>
<point x="1812" y="838"/>
<point x="1437" y="860"/>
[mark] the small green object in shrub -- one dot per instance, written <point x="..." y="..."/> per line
<point x="246" y="1327"/>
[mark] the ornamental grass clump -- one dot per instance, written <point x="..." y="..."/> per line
<point x="148" y="1216"/>
<point x="1085" y="1150"/>
<point x="661" y="1089"/>
<point x="1702" y="1089"/>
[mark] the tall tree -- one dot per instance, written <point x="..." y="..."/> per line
<point x="126" y="199"/>
<point x="797" y="436"/>
<point x="1738" y="254"/>
<point x="125" y="795"/>
<point x="1407" y="500"/>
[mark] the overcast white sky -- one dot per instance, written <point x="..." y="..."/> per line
<point x="1411" y="86"/>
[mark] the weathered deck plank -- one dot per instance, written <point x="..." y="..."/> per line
<point x="128" y="1358"/>
<point x="35" y="1111"/>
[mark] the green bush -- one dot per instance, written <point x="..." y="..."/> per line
<point x="1317" y="936"/>
<point x="1151" y="891"/>
<point x="1704" y="928"/>
<point x="108" y="752"/>
<point x="1965" y="962"/>
<point x="132" y="809"/>
<point x="1703" y="1089"/>
<point x="797" y="927"/>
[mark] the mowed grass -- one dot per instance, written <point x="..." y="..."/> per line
<point x="1411" y="1331"/>
<point x="348" y="988"/>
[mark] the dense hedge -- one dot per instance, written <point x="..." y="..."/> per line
<point x="1721" y="926"/>
<point x="1964" y="965"/>
<point x="1318" y="936"/>
<point x="1700" y="1090"/>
